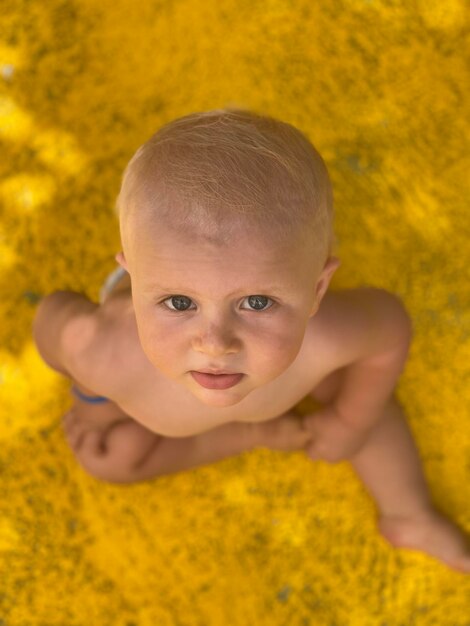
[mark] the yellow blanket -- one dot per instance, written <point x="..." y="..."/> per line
<point x="266" y="538"/>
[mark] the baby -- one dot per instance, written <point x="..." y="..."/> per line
<point x="222" y="322"/>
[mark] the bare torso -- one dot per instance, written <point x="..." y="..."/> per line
<point x="115" y="366"/>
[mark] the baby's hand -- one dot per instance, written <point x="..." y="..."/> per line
<point x="333" y="439"/>
<point x="286" y="433"/>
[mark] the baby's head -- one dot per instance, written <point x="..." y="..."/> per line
<point x="226" y="222"/>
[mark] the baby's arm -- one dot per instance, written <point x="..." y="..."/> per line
<point x="61" y="326"/>
<point x="100" y="435"/>
<point x="373" y="332"/>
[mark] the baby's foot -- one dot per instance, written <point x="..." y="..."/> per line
<point x="112" y="452"/>
<point x="429" y="532"/>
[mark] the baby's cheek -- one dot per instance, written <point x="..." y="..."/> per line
<point x="159" y="347"/>
<point x="279" y="351"/>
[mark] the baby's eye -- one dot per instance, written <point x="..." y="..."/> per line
<point x="258" y="303"/>
<point x="178" y="303"/>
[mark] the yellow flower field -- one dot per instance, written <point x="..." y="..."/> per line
<point x="266" y="538"/>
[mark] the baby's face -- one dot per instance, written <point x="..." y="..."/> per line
<point x="242" y="309"/>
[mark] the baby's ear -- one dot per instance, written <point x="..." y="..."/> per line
<point x="121" y="259"/>
<point x="330" y="267"/>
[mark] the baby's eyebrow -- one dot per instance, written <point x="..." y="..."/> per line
<point x="267" y="289"/>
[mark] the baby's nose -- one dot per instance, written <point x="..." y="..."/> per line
<point x="217" y="341"/>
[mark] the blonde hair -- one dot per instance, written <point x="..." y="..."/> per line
<point x="209" y="173"/>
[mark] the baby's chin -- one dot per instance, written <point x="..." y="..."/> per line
<point x="218" y="398"/>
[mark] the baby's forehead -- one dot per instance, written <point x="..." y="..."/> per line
<point x="220" y="276"/>
<point x="244" y="249"/>
<point x="210" y="233"/>
<point x="207" y="234"/>
<point x="153" y="244"/>
<point x="218" y="228"/>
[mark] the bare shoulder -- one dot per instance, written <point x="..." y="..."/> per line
<point x="105" y="347"/>
<point x="355" y="324"/>
<point x="58" y="326"/>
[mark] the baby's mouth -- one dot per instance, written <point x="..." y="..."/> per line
<point x="216" y="381"/>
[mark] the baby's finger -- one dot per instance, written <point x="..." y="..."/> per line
<point x="73" y="429"/>
<point x="93" y="443"/>
<point x="312" y="450"/>
<point x="68" y="423"/>
<point x="310" y="420"/>
<point x="67" y="418"/>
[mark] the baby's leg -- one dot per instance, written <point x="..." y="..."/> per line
<point x="115" y="448"/>
<point x="390" y="468"/>
<point x="107" y="443"/>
